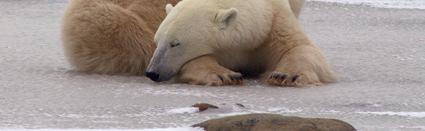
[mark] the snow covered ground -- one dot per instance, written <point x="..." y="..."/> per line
<point x="159" y="129"/>
<point x="402" y="4"/>
<point x="378" y="53"/>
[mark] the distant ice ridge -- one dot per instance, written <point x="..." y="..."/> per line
<point x="400" y="4"/>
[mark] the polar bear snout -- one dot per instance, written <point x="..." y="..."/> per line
<point x="159" y="73"/>
<point x="153" y="76"/>
<point x="158" y="76"/>
<point x="162" y="66"/>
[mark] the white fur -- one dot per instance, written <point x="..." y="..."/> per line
<point x="168" y="8"/>
<point x="181" y="21"/>
<point x="251" y="35"/>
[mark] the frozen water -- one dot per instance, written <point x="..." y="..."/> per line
<point x="158" y="129"/>
<point x="406" y="114"/>
<point x="281" y="109"/>
<point x="377" y="53"/>
<point x="406" y="4"/>
<point x="177" y="129"/>
<point x="184" y="110"/>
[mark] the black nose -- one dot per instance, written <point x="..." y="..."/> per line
<point x="153" y="76"/>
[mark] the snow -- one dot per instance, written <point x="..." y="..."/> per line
<point x="177" y="129"/>
<point x="377" y="53"/>
<point x="158" y="129"/>
<point x="404" y="4"/>
<point x="234" y="114"/>
<point x="187" y="110"/>
<point x="283" y="109"/>
<point x="391" y="113"/>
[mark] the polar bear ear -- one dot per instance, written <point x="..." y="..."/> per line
<point x="225" y="17"/>
<point x="168" y="8"/>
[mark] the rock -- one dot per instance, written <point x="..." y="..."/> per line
<point x="272" y="122"/>
<point x="240" y="105"/>
<point x="204" y="106"/>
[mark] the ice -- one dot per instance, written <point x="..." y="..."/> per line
<point x="176" y="129"/>
<point x="406" y="4"/>
<point x="390" y="113"/>
<point x="283" y="109"/>
<point x="378" y="55"/>
<point x="157" y="129"/>
<point x="234" y="114"/>
<point x="187" y="110"/>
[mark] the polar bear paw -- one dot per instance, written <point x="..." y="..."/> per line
<point x="212" y="77"/>
<point x="292" y="79"/>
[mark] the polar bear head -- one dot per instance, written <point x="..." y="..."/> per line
<point x="189" y="31"/>
<point x="194" y="28"/>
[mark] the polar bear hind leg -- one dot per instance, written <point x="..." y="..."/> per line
<point x="105" y="38"/>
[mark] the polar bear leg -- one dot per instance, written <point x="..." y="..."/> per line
<point x="301" y="66"/>
<point x="294" y="60"/>
<point x="102" y="37"/>
<point x="206" y="71"/>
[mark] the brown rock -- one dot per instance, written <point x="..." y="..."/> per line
<point x="204" y="106"/>
<point x="272" y="122"/>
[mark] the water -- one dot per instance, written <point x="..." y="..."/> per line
<point x="400" y="4"/>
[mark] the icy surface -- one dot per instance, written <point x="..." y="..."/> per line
<point x="406" y="114"/>
<point x="406" y="4"/>
<point x="186" y="110"/>
<point x="162" y="129"/>
<point x="379" y="55"/>
<point x="176" y="129"/>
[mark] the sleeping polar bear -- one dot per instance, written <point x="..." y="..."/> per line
<point x="237" y="36"/>
<point x="116" y="37"/>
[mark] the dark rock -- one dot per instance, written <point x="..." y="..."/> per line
<point x="204" y="106"/>
<point x="240" y="105"/>
<point x="272" y="122"/>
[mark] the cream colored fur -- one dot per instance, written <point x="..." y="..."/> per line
<point x="116" y="37"/>
<point x="296" y="6"/>
<point x="264" y="36"/>
<point x="111" y="36"/>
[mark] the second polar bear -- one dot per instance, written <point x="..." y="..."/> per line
<point x="246" y="36"/>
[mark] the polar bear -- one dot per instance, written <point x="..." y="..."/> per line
<point x="237" y="36"/>
<point x="111" y="36"/>
<point x="116" y="37"/>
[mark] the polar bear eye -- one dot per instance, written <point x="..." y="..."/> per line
<point x="175" y="44"/>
